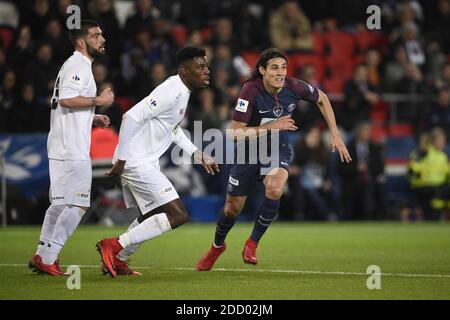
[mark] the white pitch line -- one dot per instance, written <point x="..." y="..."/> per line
<point x="341" y="273"/>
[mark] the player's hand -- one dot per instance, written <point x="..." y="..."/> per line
<point x="337" y="143"/>
<point x="207" y="162"/>
<point x="101" y="121"/>
<point x="106" y="98"/>
<point x="285" y="123"/>
<point x="117" y="169"/>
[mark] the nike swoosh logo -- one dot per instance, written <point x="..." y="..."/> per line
<point x="260" y="111"/>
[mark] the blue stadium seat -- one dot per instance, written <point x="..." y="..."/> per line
<point x="399" y="148"/>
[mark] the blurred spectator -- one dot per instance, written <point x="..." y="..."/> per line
<point x="223" y="35"/>
<point x="411" y="84"/>
<point x="363" y="179"/>
<point x="100" y="73"/>
<point x="439" y="24"/>
<point x="164" y="46"/>
<point x="311" y="170"/>
<point x="142" y="18"/>
<point x="8" y="100"/>
<point x="2" y="62"/>
<point x="207" y="111"/>
<point x="22" y="50"/>
<point x="58" y="40"/>
<point x="251" y="17"/>
<point x="42" y="72"/>
<point x="359" y="96"/>
<point x="444" y="79"/>
<point x="158" y="74"/>
<point x="37" y="17"/>
<point x="435" y="61"/>
<point x="290" y="28"/>
<point x="225" y="75"/>
<point x="428" y="175"/>
<point x="373" y="63"/>
<point x="438" y="114"/>
<point x="413" y="45"/>
<point x="196" y="38"/>
<point x="395" y="70"/>
<point x="24" y="114"/>
<point x="308" y="74"/>
<point x="134" y="74"/>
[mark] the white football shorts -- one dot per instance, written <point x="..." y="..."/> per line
<point x="70" y="182"/>
<point x="147" y="187"/>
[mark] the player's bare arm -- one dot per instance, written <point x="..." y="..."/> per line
<point x="208" y="162"/>
<point x="336" y="141"/>
<point x="240" y="130"/>
<point x="105" y="99"/>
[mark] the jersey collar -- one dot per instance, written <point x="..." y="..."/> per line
<point x="182" y="85"/>
<point x="83" y="57"/>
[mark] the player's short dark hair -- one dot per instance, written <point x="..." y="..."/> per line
<point x="264" y="57"/>
<point x="85" y="25"/>
<point x="188" y="53"/>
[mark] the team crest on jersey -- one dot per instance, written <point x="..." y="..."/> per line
<point x="278" y="111"/>
<point x="291" y="107"/>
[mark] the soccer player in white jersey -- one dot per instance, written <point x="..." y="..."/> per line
<point x="147" y="131"/>
<point x="72" y="116"/>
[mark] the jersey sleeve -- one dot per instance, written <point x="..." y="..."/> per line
<point x="246" y="102"/>
<point x="152" y="105"/>
<point x="72" y="83"/>
<point x="305" y="91"/>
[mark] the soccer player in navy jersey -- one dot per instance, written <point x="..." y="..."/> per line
<point x="265" y="105"/>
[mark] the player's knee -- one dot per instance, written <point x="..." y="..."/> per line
<point x="178" y="216"/>
<point x="232" y="209"/>
<point x="274" y="192"/>
<point x="83" y="209"/>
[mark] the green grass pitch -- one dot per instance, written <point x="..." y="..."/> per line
<point x="296" y="261"/>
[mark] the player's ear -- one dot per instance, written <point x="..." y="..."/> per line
<point x="80" y="43"/>
<point x="182" y="70"/>
<point x="262" y="70"/>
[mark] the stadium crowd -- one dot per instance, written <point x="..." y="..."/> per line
<point x="391" y="82"/>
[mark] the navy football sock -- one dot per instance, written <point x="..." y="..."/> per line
<point x="265" y="215"/>
<point x="224" y="225"/>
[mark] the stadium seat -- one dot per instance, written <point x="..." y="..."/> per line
<point x="319" y="43"/>
<point x="401" y="130"/>
<point x="399" y="148"/>
<point x="340" y="67"/>
<point x="207" y="33"/>
<point x="300" y="60"/>
<point x="334" y="85"/>
<point x="125" y="103"/>
<point x="179" y="33"/>
<point x="251" y="57"/>
<point x="366" y="40"/>
<point x="103" y="143"/>
<point x="339" y="43"/>
<point x="6" y="35"/>
<point x="378" y="133"/>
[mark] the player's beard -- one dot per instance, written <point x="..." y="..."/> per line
<point x="94" y="53"/>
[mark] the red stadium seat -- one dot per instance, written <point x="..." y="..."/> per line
<point x="366" y="40"/>
<point x="6" y="35"/>
<point x="179" y="33"/>
<point x="378" y="133"/>
<point x="207" y="33"/>
<point x="401" y="130"/>
<point x="340" y="67"/>
<point x="125" y="103"/>
<point x="339" y="43"/>
<point x="319" y="43"/>
<point x="334" y="85"/>
<point x="103" y="143"/>
<point x="300" y="60"/>
<point x="251" y="57"/>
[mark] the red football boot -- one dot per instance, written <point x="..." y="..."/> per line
<point x="249" y="252"/>
<point x="32" y="262"/>
<point x="109" y="249"/>
<point x="208" y="260"/>
<point x="51" y="269"/>
<point x="122" y="269"/>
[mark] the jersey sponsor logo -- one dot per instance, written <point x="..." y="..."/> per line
<point x="166" y="190"/>
<point x="81" y="195"/>
<point x="74" y="78"/>
<point x="57" y="198"/>
<point x="242" y="105"/>
<point x="234" y="181"/>
<point x="153" y="102"/>
<point x="311" y="88"/>
<point x="278" y="111"/>
<point x="291" y="107"/>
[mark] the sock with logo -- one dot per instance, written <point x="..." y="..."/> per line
<point x="51" y="216"/>
<point x="148" y="229"/>
<point x="224" y="225"/>
<point x="132" y="248"/>
<point x="266" y="213"/>
<point x="64" y="227"/>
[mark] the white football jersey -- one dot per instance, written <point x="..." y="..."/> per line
<point x="70" y="129"/>
<point x="160" y="114"/>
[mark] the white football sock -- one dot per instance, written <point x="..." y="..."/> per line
<point x="149" y="228"/>
<point x="51" y="216"/>
<point x="64" y="227"/>
<point x="132" y="248"/>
